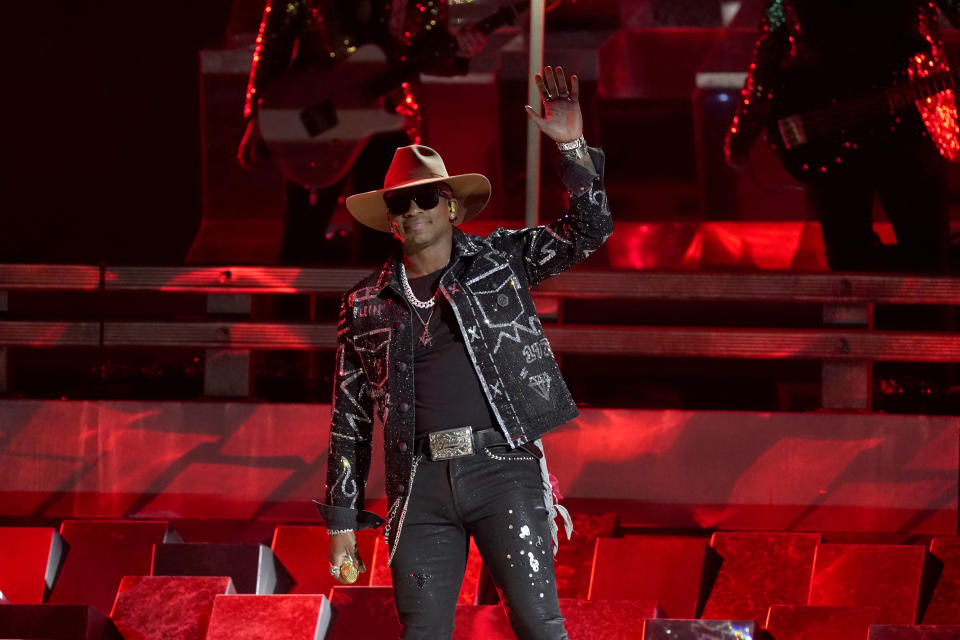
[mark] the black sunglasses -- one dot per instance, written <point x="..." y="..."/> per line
<point x="398" y="202"/>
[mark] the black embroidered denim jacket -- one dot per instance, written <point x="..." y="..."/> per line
<point x="487" y="284"/>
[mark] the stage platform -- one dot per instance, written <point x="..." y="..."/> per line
<point x="731" y="586"/>
<point x="703" y="470"/>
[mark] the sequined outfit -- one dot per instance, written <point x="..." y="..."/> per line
<point x="321" y="33"/>
<point x="843" y="43"/>
<point x="487" y="284"/>
<point x="792" y="37"/>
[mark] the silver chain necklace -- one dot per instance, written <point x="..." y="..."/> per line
<point x="420" y="304"/>
<point x="425" y="337"/>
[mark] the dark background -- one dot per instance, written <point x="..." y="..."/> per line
<point x="101" y="109"/>
<point x="101" y="136"/>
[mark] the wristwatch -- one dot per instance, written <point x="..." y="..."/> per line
<point x="572" y="144"/>
<point x="574" y="149"/>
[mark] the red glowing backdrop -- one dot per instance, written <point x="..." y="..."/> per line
<point x="729" y="470"/>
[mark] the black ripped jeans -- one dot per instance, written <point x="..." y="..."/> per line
<point x="500" y="503"/>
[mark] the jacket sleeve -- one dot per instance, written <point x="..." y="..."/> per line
<point x="550" y="249"/>
<point x="754" y="107"/>
<point x="283" y="22"/>
<point x="351" y="430"/>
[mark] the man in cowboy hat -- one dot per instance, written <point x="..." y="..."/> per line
<point x="446" y="345"/>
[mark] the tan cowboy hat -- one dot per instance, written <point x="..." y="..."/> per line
<point x="413" y="166"/>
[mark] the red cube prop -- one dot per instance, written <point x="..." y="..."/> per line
<point x="278" y="617"/>
<point x="101" y="553"/>
<point x="869" y="575"/>
<point x="944" y="606"/>
<point x="167" y="607"/>
<point x="363" y="612"/>
<point x="29" y="558"/>
<point x="793" y="622"/>
<point x="759" y="570"/>
<point x="663" y="569"/>
<point x="914" y="632"/>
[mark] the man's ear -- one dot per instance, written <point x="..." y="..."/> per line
<point x="454" y="206"/>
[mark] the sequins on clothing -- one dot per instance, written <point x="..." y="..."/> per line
<point x="785" y="42"/>
<point x="376" y="351"/>
<point x="322" y="33"/>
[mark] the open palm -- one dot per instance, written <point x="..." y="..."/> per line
<point x="561" y="120"/>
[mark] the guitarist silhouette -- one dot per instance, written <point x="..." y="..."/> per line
<point x="321" y="34"/>
<point x="858" y="100"/>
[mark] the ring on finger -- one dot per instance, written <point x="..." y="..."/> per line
<point x="334" y="571"/>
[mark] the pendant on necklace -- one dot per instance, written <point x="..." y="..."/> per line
<point x="425" y="337"/>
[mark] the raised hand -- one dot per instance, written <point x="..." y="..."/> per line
<point x="561" y="120"/>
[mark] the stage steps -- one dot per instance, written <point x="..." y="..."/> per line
<point x="757" y="570"/>
<point x="860" y="575"/>
<point x="944" y="607"/>
<point x="167" y="607"/>
<point x="802" y="622"/>
<point x="100" y="553"/>
<point x="793" y="584"/>
<point x="668" y="570"/>
<point x="30" y="558"/>
<point x="253" y="567"/>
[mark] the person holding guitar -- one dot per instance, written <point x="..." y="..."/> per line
<point x="858" y="101"/>
<point x="319" y="36"/>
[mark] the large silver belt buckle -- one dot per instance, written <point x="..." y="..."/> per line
<point x="451" y="443"/>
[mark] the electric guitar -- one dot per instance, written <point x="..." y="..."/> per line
<point x="315" y="122"/>
<point x="815" y="132"/>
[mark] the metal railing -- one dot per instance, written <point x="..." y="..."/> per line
<point x="846" y="346"/>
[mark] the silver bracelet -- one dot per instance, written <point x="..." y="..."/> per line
<point x="337" y="532"/>
<point x="572" y="145"/>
